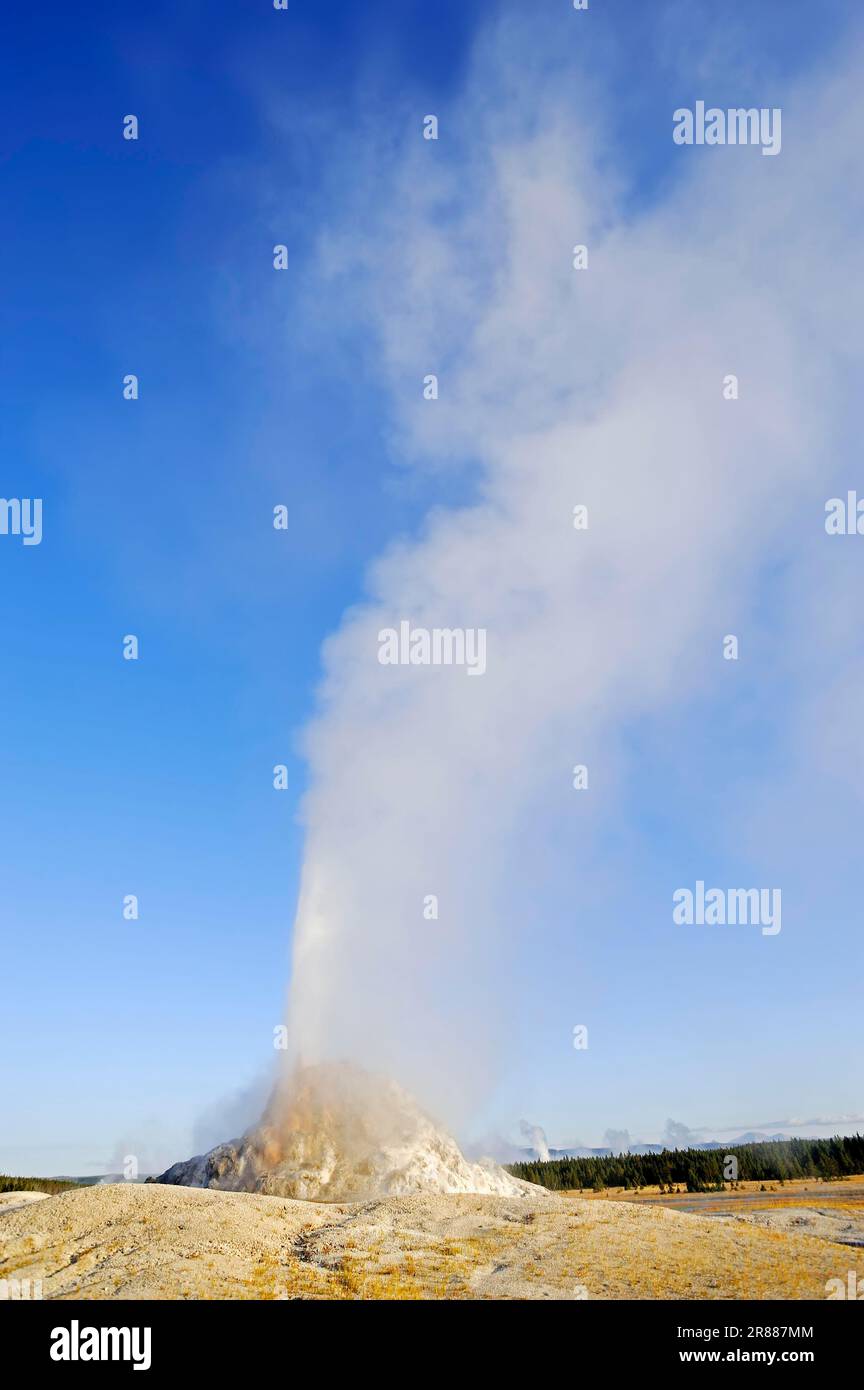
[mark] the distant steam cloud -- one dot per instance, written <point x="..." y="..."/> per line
<point x="678" y="1136"/>
<point x="618" y="1140"/>
<point x="536" y="1138"/>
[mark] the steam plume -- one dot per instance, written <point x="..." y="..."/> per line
<point x="537" y="1138"/>
<point x="600" y="388"/>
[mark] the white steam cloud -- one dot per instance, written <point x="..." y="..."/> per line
<point x="536" y="1137"/>
<point x="618" y="1140"/>
<point x="602" y="388"/>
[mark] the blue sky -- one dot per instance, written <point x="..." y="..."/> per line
<point x="257" y="388"/>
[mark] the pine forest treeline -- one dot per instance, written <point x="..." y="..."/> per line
<point x="702" y="1170"/>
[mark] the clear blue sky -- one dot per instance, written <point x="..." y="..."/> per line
<point x="155" y="778"/>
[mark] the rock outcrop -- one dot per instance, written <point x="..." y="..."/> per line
<point x="336" y="1133"/>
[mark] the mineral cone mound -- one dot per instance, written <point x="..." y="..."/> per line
<point x="336" y="1133"/>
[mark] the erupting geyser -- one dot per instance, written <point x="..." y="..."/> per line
<point x="337" y="1133"/>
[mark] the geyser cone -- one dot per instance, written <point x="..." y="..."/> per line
<point x="336" y="1133"/>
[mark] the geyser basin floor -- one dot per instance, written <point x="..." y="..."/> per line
<point x="154" y="1241"/>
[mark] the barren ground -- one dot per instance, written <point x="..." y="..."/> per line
<point x="154" y="1241"/>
